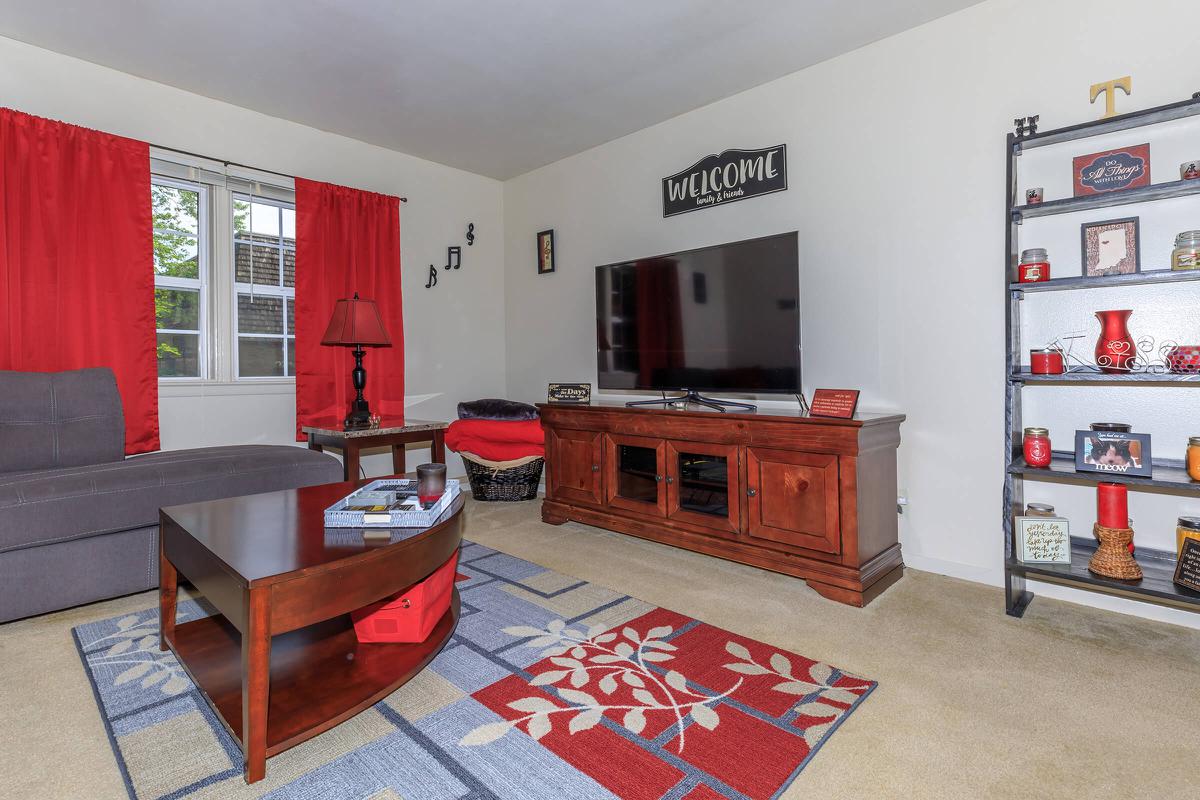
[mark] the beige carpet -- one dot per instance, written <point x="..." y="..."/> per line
<point x="1069" y="702"/>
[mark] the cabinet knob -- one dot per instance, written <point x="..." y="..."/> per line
<point x="670" y="479"/>
<point x="595" y="467"/>
<point x="751" y="492"/>
<point x="658" y="478"/>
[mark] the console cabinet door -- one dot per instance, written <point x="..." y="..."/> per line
<point x="634" y="470"/>
<point x="574" y="460"/>
<point x="702" y="484"/>
<point x="793" y="498"/>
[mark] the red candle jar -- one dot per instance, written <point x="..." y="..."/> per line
<point x="1112" y="505"/>
<point x="1036" y="446"/>
<point x="1034" y="266"/>
<point x="1047" y="362"/>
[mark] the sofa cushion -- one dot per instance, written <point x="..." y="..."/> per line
<point x="59" y="419"/>
<point x="48" y="506"/>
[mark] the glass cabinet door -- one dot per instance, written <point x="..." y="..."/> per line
<point x="635" y="473"/>
<point x="702" y="483"/>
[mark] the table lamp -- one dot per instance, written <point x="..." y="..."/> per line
<point x="357" y="323"/>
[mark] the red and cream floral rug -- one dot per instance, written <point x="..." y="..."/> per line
<point x="550" y="688"/>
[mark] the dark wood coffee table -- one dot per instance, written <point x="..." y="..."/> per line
<point x="280" y="663"/>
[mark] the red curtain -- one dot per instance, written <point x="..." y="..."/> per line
<point x="76" y="260"/>
<point x="347" y="241"/>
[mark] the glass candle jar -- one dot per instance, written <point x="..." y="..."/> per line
<point x="1186" y="528"/>
<point x="1034" y="266"/>
<point x="1039" y="510"/>
<point x="1047" y="361"/>
<point x="1036" y="447"/>
<point x="431" y="483"/>
<point x="1186" y="254"/>
<point x="1193" y="458"/>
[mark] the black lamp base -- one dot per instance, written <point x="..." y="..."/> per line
<point x="359" y="417"/>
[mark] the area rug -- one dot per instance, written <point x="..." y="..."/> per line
<point x="551" y="687"/>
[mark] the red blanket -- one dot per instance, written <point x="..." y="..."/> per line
<point x="496" y="440"/>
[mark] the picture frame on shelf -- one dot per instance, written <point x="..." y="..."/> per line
<point x="545" y="251"/>
<point x="1043" y="540"/>
<point x="1111" y="170"/>
<point x="1110" y="247"/>
<point x="1187" y="568"/>
<point x="1113" y="453"/>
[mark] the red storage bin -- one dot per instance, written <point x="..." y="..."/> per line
<point x="410" y="615"/>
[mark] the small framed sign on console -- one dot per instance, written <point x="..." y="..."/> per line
<point x="569" y="393"/>
<point x="838" y="403"/>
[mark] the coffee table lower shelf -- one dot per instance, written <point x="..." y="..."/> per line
<point x="320" y="675"/>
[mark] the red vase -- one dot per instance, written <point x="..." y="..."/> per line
<point x="1115" y="349"/>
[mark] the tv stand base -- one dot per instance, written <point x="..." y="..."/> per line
<point x="696" y="398"/>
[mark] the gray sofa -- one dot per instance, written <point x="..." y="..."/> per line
<point x="79" y="520"/>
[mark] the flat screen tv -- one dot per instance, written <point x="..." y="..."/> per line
<point x="717" y="319"/>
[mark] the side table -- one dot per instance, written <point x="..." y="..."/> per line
<point x="390" y="433"/>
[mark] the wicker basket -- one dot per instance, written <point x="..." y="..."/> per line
<point x="503" y="480"/>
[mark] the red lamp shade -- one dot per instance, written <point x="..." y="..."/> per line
<point x="356" y="323"/>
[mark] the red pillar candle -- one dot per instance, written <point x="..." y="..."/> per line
<point x="1112" y="505"/>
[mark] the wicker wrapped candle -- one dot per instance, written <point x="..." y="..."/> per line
<point x="1112" y="559"/>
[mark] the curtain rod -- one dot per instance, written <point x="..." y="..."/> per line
<point x="232" y="163"/>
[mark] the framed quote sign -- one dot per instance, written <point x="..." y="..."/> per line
<point x="1187" y="570"/>
<point x="837" y="403"/>
<point x="1043" y="540"/>
<point x="580" y="393"/>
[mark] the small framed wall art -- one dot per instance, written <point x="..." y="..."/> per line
<point x="1113" y="452"/>
<point x="545" y="251"/>
<point x="1111" y="247"/>
<point x="1043" y="540"/>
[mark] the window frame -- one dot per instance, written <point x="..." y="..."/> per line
<point x="199" y="283"/>
<point x="286" y="293"/>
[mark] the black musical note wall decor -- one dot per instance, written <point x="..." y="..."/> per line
<point x="453" y="257"/>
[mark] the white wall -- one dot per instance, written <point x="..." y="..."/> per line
<point x="896" y="187"/>
<point x="454" y="342"/>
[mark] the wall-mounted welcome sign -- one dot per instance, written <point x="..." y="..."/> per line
<point x="731" y="176"/>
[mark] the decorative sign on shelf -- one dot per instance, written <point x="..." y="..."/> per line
<point x="839" y="403"/>
<point x="1187" y="570"/>
<point x="1109" y="90"/>
<point x="1044" y="540"/>
<point x="733" y="175"/>
<point x="1112" y="170"/>
<point x="580" y="393"/>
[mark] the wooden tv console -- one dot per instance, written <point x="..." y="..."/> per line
<point x="805" y="496"/>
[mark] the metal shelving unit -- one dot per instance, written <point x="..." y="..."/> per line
<point x="1168" y="475"/>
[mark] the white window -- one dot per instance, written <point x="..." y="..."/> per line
<point x="264" y="275"/>
<point x="180" y="277"/>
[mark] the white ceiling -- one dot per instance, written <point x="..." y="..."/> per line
<point x="497" y="87"/>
